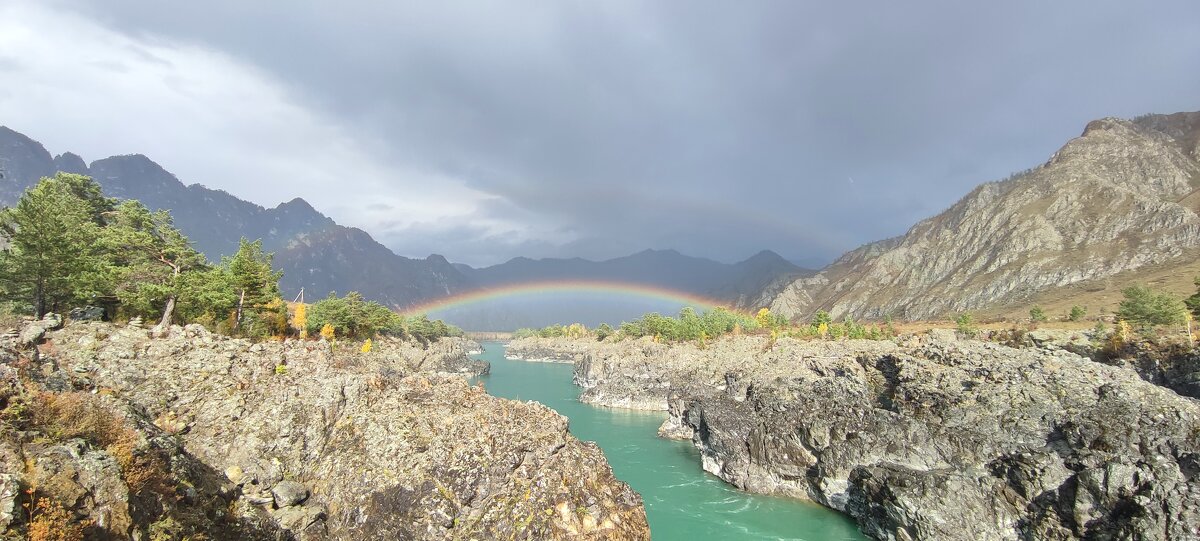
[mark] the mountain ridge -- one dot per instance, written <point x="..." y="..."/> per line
<point x="1107" y="202"/>
<point x="320" y="256"/>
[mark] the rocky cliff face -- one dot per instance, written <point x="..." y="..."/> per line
<point x="294" y="440"/>
<point x="1120" y="197"/>
<point x="931" y="438"/>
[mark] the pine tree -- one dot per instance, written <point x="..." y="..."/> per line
<point x="1146" y="308"/>
<point x="1193" y="302"/>
<point x="149" y="256"/>
<point x="52" y="258"/>
<point x="255" y="283"/>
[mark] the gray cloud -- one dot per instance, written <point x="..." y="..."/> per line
<point x="598" y="129"/>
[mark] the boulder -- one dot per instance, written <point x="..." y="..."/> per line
<point x="34" y="331"/>
<point x="289" y="493"/>
<point x="86" y="313"/>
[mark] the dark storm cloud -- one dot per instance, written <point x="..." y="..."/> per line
<point x="714" y="128"/>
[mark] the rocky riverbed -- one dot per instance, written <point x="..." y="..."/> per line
<point x="929" y="437"/>
<point x="109" y="432"/>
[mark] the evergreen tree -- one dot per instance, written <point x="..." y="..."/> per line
<point x="208" y="296"/>
<point x="255" y="282"/>
<point x="1146" y="308"/>
<point x="1193" y="302"/>
<point x="821" y="317"/>
<point x="52" y="258"/>
<point x="150" y="257"/>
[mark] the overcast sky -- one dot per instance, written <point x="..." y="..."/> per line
<point x="485" y="130"/>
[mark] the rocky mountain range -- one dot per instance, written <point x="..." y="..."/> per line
<point x="321" y="256"/>
<point x="663" y="268"/>
<point x="1111" y="206"/>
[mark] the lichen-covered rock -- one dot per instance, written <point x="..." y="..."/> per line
<point x="289" y="493"/>
<point x="306" y="440"/>
<point x="928" y="438"/>
<point x="36" y="330"/>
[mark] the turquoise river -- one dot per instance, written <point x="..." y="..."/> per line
<point x="682" y="500"/>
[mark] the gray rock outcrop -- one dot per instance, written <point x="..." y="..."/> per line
<point x="929" y="438"/>
<point x="298" y="440"/>
<point x="36" y="330"/>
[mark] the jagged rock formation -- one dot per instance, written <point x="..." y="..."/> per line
<point x="548" y="350"/>
<point x="1120" y="197"/>
<point x="931" y="438"/>
<point x="300" y="440"/>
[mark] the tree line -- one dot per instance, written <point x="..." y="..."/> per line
<point x="690" y="326"/>
<point x="67" y="245"/>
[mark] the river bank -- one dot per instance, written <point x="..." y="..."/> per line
<point x="682" y="501"/>
<point x="929" y="438"/>
<point x="196" y="435"/>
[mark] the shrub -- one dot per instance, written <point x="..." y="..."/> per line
<point x="1120" y="337"/>
<point x="51" y="522"/>
<point x="1037" y="315"/>
<point x="965" y="323"/>
<point x="1077" y="313"/>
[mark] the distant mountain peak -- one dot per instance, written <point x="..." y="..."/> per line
<point x="765" y="255"/>
<point x="69" y="162"/>
<point x="297" y="204"/>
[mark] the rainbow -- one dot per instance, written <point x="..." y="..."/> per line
<point x="566" y="286"/>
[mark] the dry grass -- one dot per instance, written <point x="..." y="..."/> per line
<point x="1101" y="297"/>
<point x="63" y="416"/>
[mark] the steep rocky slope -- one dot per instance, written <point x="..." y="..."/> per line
<point x="930" y="438"/>
<point x="1119" y="198"/>
<point x="294" y="440"/>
